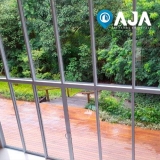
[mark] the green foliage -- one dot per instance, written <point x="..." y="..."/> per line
<point x="113" y="106"/>
<point x="147" y="99"/>
<point x="149" y="74"/>
<point x="147" y="114"/>
<point x="1" y="67"/>
<point x="123" y="95"/>
<point x="148" y="41"/>
<point x="90" y="104"/>
<point x="72" y="20"/>
<point x="115" y="57"/>
<point x="4" y="90"/>
<point x="56" y="76"/>
<point x="113" y="119"/>
<point x="10" y="26"/>
<point x="80" y="69"/>
<point x="113" y="46"/>
<point x="10" y="30"/>
<point x="119" y="62"/>
<point x="147" y="108"/>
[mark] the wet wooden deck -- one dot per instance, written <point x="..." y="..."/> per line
<point x="116" y="139"/>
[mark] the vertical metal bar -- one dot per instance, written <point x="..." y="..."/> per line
<point x="12" y="94"/>
<point x="40" y="120"/>
<point x="133" y="127"/>
<point x="4" y="58"/>
<point x="17" y="116"/>
<point x="133" y="82"/>
<point x="98" y="125"/>
<point x="94" y="64"/>
<point x="67" y="122"/>
<point x="2" y="138"/>
<point x="64" y="97"/>
<point x="93" y="46"/>
<point x="133" y="49"/>
<point x="58" y="44"/>
<point x="24" y="28"/>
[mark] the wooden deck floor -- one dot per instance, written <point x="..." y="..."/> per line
<point x="116" y="139"/>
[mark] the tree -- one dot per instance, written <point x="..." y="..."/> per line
<point x="149" y="42"/>
<point x="113" y="46"/>
<point x="116" y="59"/>
<point x="12" y="36"/>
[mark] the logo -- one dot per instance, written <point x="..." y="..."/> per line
<point x="105" y="18"/>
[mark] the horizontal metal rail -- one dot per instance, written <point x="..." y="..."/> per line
<point x="90" y="86"/>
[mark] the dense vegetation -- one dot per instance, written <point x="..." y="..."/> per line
<point x="115" y="107"/>
<point x="113" y="46"/>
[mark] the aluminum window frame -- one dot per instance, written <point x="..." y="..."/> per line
<point x="95" y="86"/>
<point x="2" y="138"/>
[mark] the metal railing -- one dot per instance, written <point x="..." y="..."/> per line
<point x="95" y="86"/>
